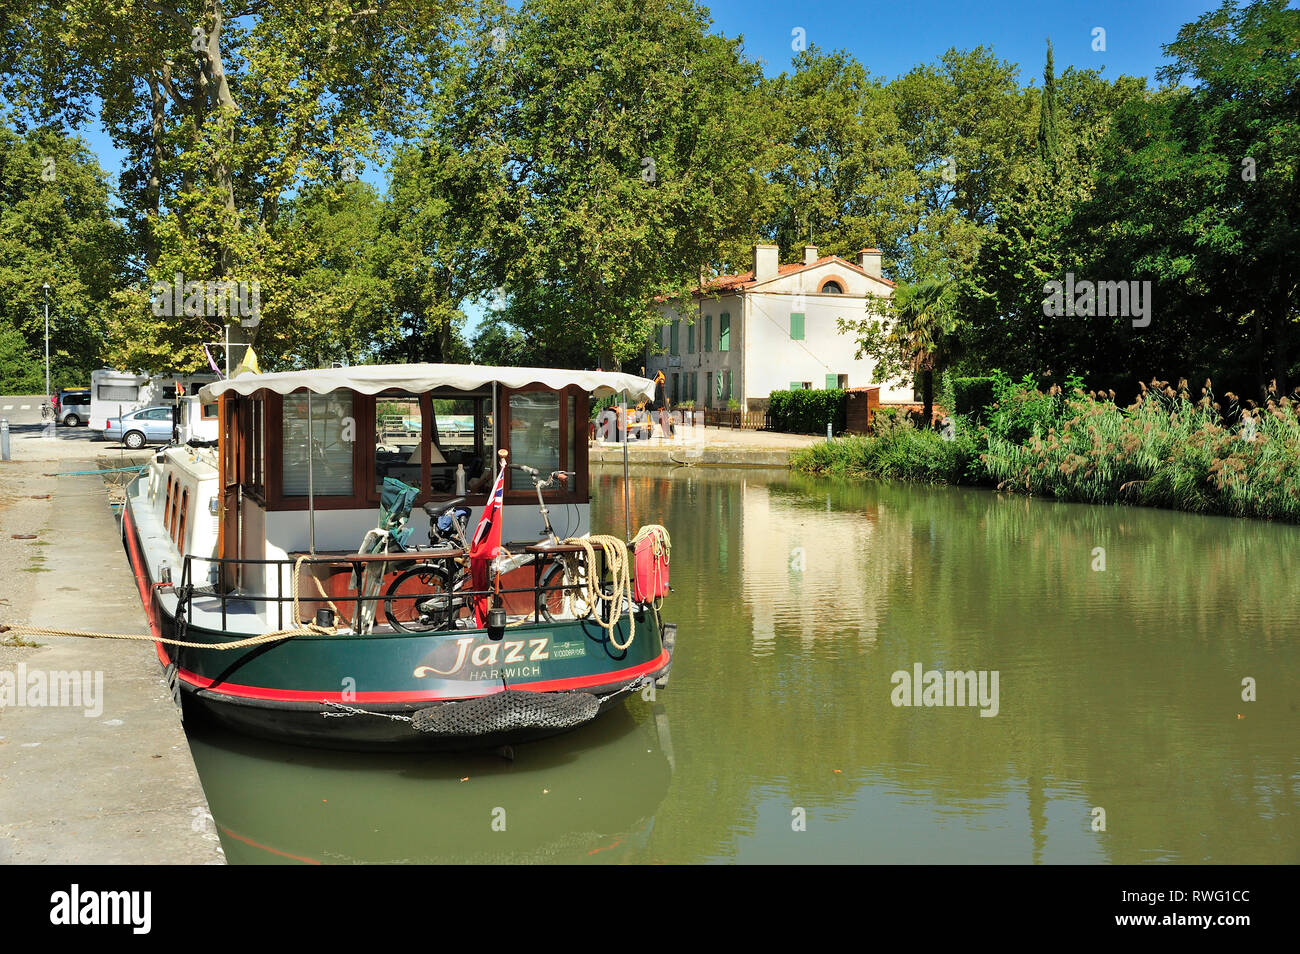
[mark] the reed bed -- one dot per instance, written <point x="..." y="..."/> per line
<point x="1167" y="449"/>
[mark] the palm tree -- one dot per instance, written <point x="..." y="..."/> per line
<point x="921" y="332"/>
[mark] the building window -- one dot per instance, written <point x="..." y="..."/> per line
<point x="796" y="326"/>
<point x="724" y="332"/>
<point x="675" y="333"/>
<point x="832" y="288"/>
<point x="332" y="439"/>
<point x="842" y="381"/>
<point x="708" y="332"/>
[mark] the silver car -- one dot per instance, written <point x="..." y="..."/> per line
<point x="74" y="408"/>
<point x="149" y="425"/>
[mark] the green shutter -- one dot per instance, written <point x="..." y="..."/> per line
<point x="690" y="339"/>
<point x="832" y="380"/>
<point x="724" y="333"/>
<point x="796" y="385"/>
<point x="796" y="326"/>
<point x="708" y="332"/>
<point x="675" y="334"/>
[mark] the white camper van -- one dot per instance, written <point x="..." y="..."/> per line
<point x="114" y="393"/>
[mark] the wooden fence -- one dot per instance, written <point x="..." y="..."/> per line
<point x="737" y="420"/>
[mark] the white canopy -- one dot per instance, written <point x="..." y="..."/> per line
<point x="418" y="378"/>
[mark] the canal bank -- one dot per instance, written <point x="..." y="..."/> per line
<point x="707" y="447"/>
<point x="94" y="763"/>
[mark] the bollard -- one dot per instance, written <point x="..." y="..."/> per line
<point x="828" y="432"/>
<point x="4" y="438"/>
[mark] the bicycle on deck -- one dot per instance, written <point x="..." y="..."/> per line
<point x="435" y="594"/>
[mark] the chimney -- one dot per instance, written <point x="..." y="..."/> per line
<point x="869" y="261"/>
<point x="809" y="254"/>
<point x="766" y="261"/>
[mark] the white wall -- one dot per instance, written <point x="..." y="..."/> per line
<point x="763" y="357"/>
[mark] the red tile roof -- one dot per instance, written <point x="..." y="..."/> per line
<point x="734" y="283"/>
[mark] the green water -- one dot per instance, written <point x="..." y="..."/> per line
<point x="777" y="740"/>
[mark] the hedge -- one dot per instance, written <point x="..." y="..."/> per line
<point x="970" y="396"/>
<point x="806" y="412"/>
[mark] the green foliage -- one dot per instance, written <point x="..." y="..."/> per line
<point x="56" y="226"/>
<point x="971" y="396"/>
<point x="616" y="140"/>
<point x="807" y="412"/>
<point x="895" y="451"/>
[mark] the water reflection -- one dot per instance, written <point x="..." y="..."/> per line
<point x="1121" y="689"/>
<point x="279" y="804"/>
<point x="797" y="599"/>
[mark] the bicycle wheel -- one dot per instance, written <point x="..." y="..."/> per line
<point x="420" y="601"/>
<point x="563" y="593"/>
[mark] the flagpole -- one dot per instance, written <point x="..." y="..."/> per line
<point x="627" y="506"/>
<point x="311" y="485"/>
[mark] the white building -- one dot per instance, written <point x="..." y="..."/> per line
<point x="772" y="328"/>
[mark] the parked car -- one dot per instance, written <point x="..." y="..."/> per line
<point x="149" y="425"/>
<point x="72" y="406"/>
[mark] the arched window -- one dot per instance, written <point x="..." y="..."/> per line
<point x="832" y="288"/>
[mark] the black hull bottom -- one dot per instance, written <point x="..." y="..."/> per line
<point x="367" y="729"/>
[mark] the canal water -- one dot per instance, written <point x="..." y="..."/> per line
<point x="1126" y="645"/>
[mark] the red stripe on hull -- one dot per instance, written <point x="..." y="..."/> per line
<point x="306" y="695"/>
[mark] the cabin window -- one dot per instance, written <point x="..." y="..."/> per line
<point x="167" y="521"/>
<point x="333" y="437"/>
<point x="209" y="412"/>
<point x="175" y="500"/>
<point x="400" y="446"/>
<point x="185" y="510"/>
<point x="462" y="435"/>
<point x="535" y="431"/>
<point x="257" y="448"/>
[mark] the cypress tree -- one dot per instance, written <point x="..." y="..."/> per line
<point x="1047" y="143"/>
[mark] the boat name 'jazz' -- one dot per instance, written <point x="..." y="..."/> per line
<point x="486" y="654"/>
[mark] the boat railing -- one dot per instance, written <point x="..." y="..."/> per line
<point x="186" y="591"/>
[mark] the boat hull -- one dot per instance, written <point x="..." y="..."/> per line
<point x="452" y="690"/>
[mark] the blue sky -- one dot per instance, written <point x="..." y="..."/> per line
<point x="889" y="38"/>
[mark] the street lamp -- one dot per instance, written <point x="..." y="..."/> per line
<point x="46" y="286"/>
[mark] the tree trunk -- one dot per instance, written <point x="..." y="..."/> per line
<point x="927" y="396"/>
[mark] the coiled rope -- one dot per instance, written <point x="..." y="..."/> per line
<point x="308" y="629"/>
<point x="619" y="568"/>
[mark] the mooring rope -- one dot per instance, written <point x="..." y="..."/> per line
<point x="308" y="629"/>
